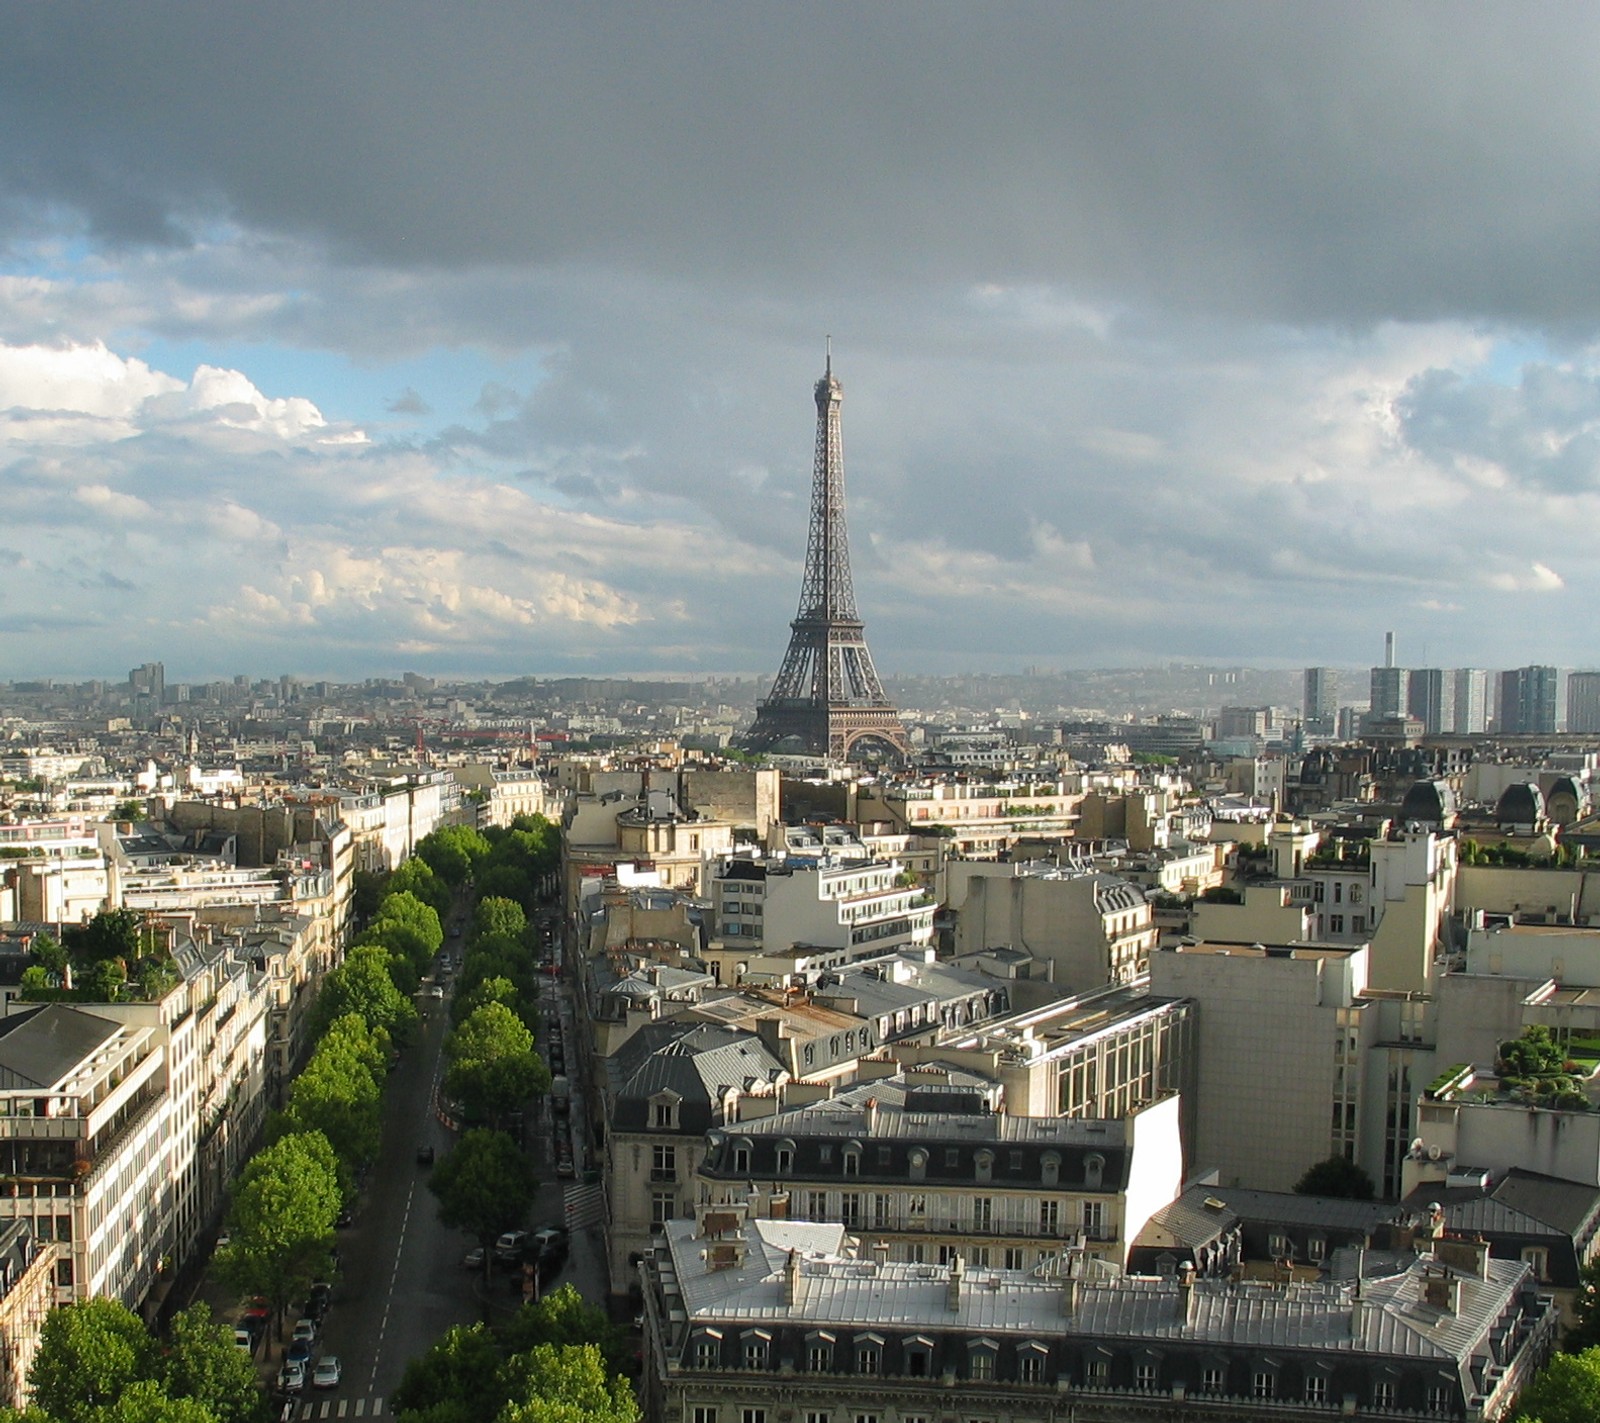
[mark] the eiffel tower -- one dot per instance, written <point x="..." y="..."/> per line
<point x="826" y="699"/>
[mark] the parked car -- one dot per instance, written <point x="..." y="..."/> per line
<point x="245" y="1339"/>
<point x="299" y="1351"/>
<point x="315" y="1307"/>
<point x="424" y="1156"/>
<point x="292" y="1377"/>
<point x="322" y="1292"/>
<point x="551" y="1244"/>
<point x="473" y="1259"/>
<point x="327" y="1373"/>
<point x="305" y="1329"/>
<point x="508" y="1248"/>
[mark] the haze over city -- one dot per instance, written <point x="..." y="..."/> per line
<point x="340" y="340"/>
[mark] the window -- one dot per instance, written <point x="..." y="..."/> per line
<point x="1014" y="1255"/>
<point x="1280" y="1245"/>
<point x="1030" y="1366"/>
<point x="850" y="1209"/>
<point x="664" y="1163"/>
<point x="980" y="1364"/>
<point x="1098" y="1371"/>
<point x="785" y="1160"/>
<point x="852" y="1161"/>
<point x="816" y="1205"/>
<point x="663" y="1206"/>
<point x="741" y="1160"/>
<point x="825" y="1152"/>
<point x="983" y="1162"/>
<point x="1316" y="1388"/>
<point x="1338" y="892"/>
<point x="755" y="1350"/>
<point x="1336" y="923"/>
<point x="664" y="1115"/>
<point x="917" y="1207"/>
<point x="982" y="1213"/>
<point x="1014" y="1161"/>
<point x="1539" y="1258"/>
<point x="1383" y="1393"/>
<point x="707" y="1351"/>
<point x="819" y="1353"/>
<point x="1144" y="1374"/>
<point x="1094" y="1219"/>
<point x="869" y="1358"/>
<point x="885" y="1155"/>
<point x="819" y="1418"/>
<point x="705" y="1415"/>
<point x="1050" y="1168"/>
<point x="952" y="1156"/>
<point x="866" y="1418"/>
<point x="1265" y="1383"/>
<point x="919" y="1164"/>
<point x="1213" y="1379"/>
<point x="880" y="1212"/>
<point x="754" y="1415"/>
<point x="1358" y="923"/>
<point x="979" y="1256"/>
<point x="1439" y="1396"/>
<point x="1049" y="1217"/>
<point x="1316" y="1248"/>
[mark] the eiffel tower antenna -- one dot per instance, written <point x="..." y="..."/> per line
<point x="826" y="697"/>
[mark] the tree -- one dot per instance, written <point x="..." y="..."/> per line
<point x="282" y="1218"/>
<point x="111" y="934"/>
<point x="564" y="1317"/>
<point x="89" y="1353"/>
<point x="493" y="1067"/>
<point x="494" y="990"/>
<point x="204" y="1365"/>
<point x="48" y="953"/>
<point x="1567" y="1390"/>
<point x="1535" y="1054"/>
<point x="485" y="1186"/>
<point x="456" y="1381"/>
<point x="554" y="1384"/>
<point x="1585" y="1331"/>
<point x="416" y="877"/>
<point x="363" y="985"/>
<point x="453" y="852"/>
<point x="337" y="1094"/>
<point x="499" y="916"/>
<point x="406" y="910"/>
<point x="144" y="1402"/>
<point x="1337" y="1176"/>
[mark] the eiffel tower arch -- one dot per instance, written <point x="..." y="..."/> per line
<point x="826" y="699"/>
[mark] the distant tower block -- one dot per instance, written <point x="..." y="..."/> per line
<point x="826" y="699"/>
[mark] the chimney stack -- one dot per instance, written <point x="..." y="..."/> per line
<point x="958" y="1276"/>
<point x="872" y="1116"/>
<point x="1186" y="1293"/>
<point x="791" y="1279"/>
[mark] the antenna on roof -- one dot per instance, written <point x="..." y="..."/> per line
<point x="828" y="373"/>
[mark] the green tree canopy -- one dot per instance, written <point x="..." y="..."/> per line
<point x="416" y="877"/>
<point x="507" y="882"/>
<point x="494" y="990"/>
<point x="282" y="1218"/>
<point x="89" y="1354"/>
<point x="493" y="1066"/>
<point x="1336" y="1176"/>
<point x="1567" y="1390"/>
<point x="203" y="1364"/>
<point x="364" y="985"/>
<point x="555" y="1384"/>
<point x="1535" y="1054"/>
<point x="564" y="1317"/>
<point x="499" y="917"/>
<point x="145" y="1402"/>
<point x="456" y="1381"/>
<point x="485" y="1185"/>
<point x="337" y="1094"/>
<point x="454" y="852"/>
<point x="410" y="912"/>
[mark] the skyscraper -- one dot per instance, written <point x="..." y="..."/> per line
<point x="1321" y="699"/>
<point x="826" y="698"/>
<point x="1527" y="704"/>
<point x="1471" y="711"/>
<point x="1431" y="698"/>
<point x="1583" y="701"/>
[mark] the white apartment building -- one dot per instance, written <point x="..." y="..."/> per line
<point x="833" y="912"/>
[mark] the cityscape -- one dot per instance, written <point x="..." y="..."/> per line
<point x="533" y="889"/>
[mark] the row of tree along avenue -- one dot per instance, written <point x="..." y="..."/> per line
<point x="487" y="1184"/>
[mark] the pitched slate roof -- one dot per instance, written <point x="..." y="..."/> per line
<point x="42" y="1048"/>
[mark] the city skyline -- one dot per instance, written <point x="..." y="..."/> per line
<point x="346" y="342"/>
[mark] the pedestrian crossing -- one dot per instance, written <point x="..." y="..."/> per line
<point x="319" y="1408"/>
<point x="584" y="1205"/>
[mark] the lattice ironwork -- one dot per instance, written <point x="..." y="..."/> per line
<point x="827" y="696"/>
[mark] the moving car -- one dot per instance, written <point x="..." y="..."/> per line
<point x="424" y="1156"/>
<point x="327" y="1373"/>
<point x="508" y="1248"/>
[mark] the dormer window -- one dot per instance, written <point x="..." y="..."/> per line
<point x="664" y="1111"/>
<point x="1050" y="1168"/>
<point x="918" y="1160"/>
<point x="1031" y="1360"/>
<point x="1094" y="1167"/>
<point x="869" y="1353"/>
<point x="918" y="1354"/>
<point x="785" y="1158"/>
<point x="981" y="1354"/>
<point x="741" y="1156"/>
<point x="819" y="1351"/>
<point x="757" y="1348"/>
<point x="983" y="1165"/>
<point x="707" y="1348"/>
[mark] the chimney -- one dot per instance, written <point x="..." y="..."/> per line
<point x="791" y="1279"/>
<point x="872" y="1116"/>
<point x="958" y="1276"/>
<point x="1069" y="1296"/>
<point x="880" y="1251"/>
<point x="1186" y="1293"/>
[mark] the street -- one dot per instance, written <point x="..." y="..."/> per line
<point x="401" y="1282"/>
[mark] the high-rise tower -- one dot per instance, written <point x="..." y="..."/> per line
<point x="826" y="698"/>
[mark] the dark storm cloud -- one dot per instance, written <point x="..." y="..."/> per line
<point x="1335" y="163"/>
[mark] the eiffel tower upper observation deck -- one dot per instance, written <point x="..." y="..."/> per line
<point x="826" y="698"/>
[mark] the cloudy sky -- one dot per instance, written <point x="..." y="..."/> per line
<point x="347" y="339"/>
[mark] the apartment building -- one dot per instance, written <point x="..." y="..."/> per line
<point x="761" y="1321"/>
<point x="922" y="1168"/>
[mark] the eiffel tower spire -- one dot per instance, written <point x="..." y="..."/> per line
<point x="826" y="696"/>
